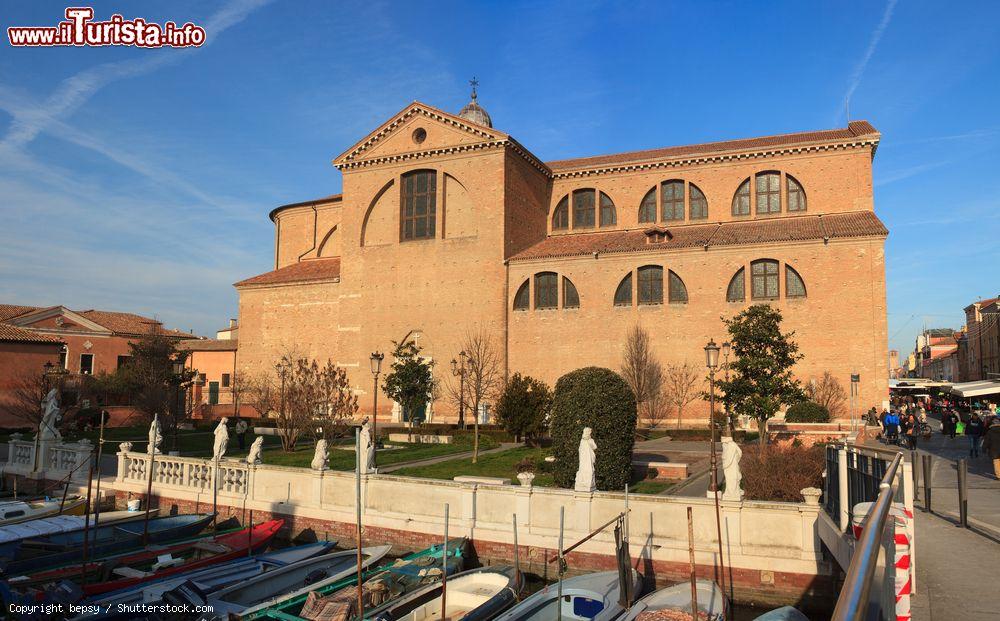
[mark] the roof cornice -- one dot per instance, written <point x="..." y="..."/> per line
<point x="711" y="158"/>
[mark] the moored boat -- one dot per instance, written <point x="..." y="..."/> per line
<point x="272" y="587"/>
<point x="124" y="571"/>
<point x="590" y="596"/>
<point x="17" y="511"/>
<point x="12" y="535"/>
<point x="107" y="539"/>
<point x="474" y="595"/>
<point x="381" y="584"/>
<point x="674" y="602"/>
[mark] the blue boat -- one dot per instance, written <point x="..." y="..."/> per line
<point x="64" y="548"/>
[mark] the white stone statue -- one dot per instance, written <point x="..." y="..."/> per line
<point x="253" y="457"/>
<point x="586" y="480"/>
<point x="48" y="428"/>
<point x="319" y="457"/>
<point x="124" y="447"/>
<point x="731" y="454"/>
<point x="221" y="439"/>
<point x="367" y="459"/>
<point x="155" y="436"/>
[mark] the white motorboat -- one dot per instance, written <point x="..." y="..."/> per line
<point x="591" y="597"/>
<point x="677" y="598"/>
<point x="17" y="511"/>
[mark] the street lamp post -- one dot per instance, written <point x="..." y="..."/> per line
<point x="725" y="368"/>
<point x="712" y="362"/>
<point x="376" y="366"/>
<point x="178" y="369"/>
<point x="458" y="370"/>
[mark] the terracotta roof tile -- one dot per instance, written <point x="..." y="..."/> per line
<point x="854" y="130"/>
<point x="208" y="345"/>
<point x="126" y="324"/>
<point x="793" y="228"/>
<point x="9" y="311"/>
<point x="14" y="334"/>
<point x="303" y="271"/>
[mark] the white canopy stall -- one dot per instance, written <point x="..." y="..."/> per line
<point x="981" y="388"/>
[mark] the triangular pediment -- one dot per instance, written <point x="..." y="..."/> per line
<point x="58" y="319"/>
<point x="418" y="129"/>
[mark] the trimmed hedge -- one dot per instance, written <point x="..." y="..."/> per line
<point x="781" y="472"/>
<point x="600" y="399"/>
<point x="807" y="412"/>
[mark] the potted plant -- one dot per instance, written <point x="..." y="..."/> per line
<point x="525" y="471"/>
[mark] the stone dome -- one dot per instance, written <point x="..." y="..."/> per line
<point x="475" y="113"/>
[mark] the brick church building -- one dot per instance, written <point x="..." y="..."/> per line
<point x="446" y="224"/>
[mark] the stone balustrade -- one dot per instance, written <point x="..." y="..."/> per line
<point x="187" y="474"/>
<point x="56" y="460"/>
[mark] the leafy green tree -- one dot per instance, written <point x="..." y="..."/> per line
<point x="410" y="382"/>
<point x="524" y="406"/>
<point x="600" y="399"/>
<point x="760" y="379"/>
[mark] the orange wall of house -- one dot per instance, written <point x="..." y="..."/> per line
<point x="213" y="364"/>
<point x="17" y="362"/>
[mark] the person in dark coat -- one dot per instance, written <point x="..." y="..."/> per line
<point x="975" y="432"/>
<point x="991" y="445"/>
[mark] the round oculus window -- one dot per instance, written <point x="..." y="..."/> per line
<point x="419" y="135"/>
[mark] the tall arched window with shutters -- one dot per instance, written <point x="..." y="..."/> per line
<point x="418" y="205"/>
<point x="650" y="284"/>
<point x="546" y="290"/>
<point x="737" y="291"/>
<point x="764" y="280"/>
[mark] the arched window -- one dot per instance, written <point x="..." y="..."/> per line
<point x="769" y="192"/>
<point x="741" y="200"/>
<point x="794" y="287"/>
<point x="764" y="280"/>
<point x="546" y="290"/>
<point x="796" y="195"/>
<point x="651" y="284"/>
<point x="677" y="292"/>
<point x="583" y="209"/>
<point x="672" y="200"/>
<point x="647" y="209"/>
<point x="522" y="297"/>
<point x="560" y="217"/>
<point x="699" y="204"/>
<point x="737" y="291"/>
<point x="608" y="215"/>
<point x="418" y="205"/>
<point x="623" y="295"/>
<point x="571" y="299"/>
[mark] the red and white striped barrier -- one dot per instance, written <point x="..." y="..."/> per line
<point x="901" y="518"/>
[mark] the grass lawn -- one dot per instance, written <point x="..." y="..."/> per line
<point x="504" y="464"/>
<point x="345" y="460"/>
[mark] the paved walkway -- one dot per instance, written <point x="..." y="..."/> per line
<point x="695" y="453"/>
<point x="956" y="566"/>
<point x="436" y="460"/>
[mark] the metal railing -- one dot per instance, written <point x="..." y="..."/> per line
<point x="854" y="599"/>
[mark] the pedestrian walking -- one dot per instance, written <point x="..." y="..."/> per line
<point x="241" y="432"/>
<point x="891" y="427"/>
<point x="910" y="430"/>
<point x="975" y="432"/>
<point x="952" y="423"/>
<point x="991" y="445"/>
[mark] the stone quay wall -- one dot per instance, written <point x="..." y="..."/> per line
<point x="772" y="550"/>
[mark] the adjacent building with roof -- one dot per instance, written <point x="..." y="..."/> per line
<point x="982" y="320"/>
<point x="447" y="225"/>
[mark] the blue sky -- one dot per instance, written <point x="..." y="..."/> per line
<point x="140" y="180"/>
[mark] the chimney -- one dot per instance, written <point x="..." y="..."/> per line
<point x="232" y="323"/>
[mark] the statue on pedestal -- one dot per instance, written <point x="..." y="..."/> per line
<point x="731" y="454"/>
<point x="155" y="436"/>
<point x="48" y="428"/>
<point x="319" y="457"/>
<point x="253" y="457"/>
<point x="586" y="480"/>
<point x="367" y="455"/>
<point x="221" y="439"/>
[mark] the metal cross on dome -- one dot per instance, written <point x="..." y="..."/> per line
<point x="474" y="83"/>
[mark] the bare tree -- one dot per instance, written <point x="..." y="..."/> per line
<point x="827" y="392"/>
<point x="643" y="373"/>
<point x="679" y="387"/>
<point x="315" y="397"/>
<point x="484" y="375"/>
<point x="259" y="391"/>
<point x="24" y="399"/>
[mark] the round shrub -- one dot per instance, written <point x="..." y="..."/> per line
<point x="807" y="412"/>
<point x="600" y="399"/>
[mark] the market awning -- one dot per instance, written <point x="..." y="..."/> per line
<point x="976" y="389"/>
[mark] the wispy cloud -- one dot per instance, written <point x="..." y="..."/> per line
<point x="859" y="70"/>
<point x="34" y="118"/>
<point x="905" y="173"/>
